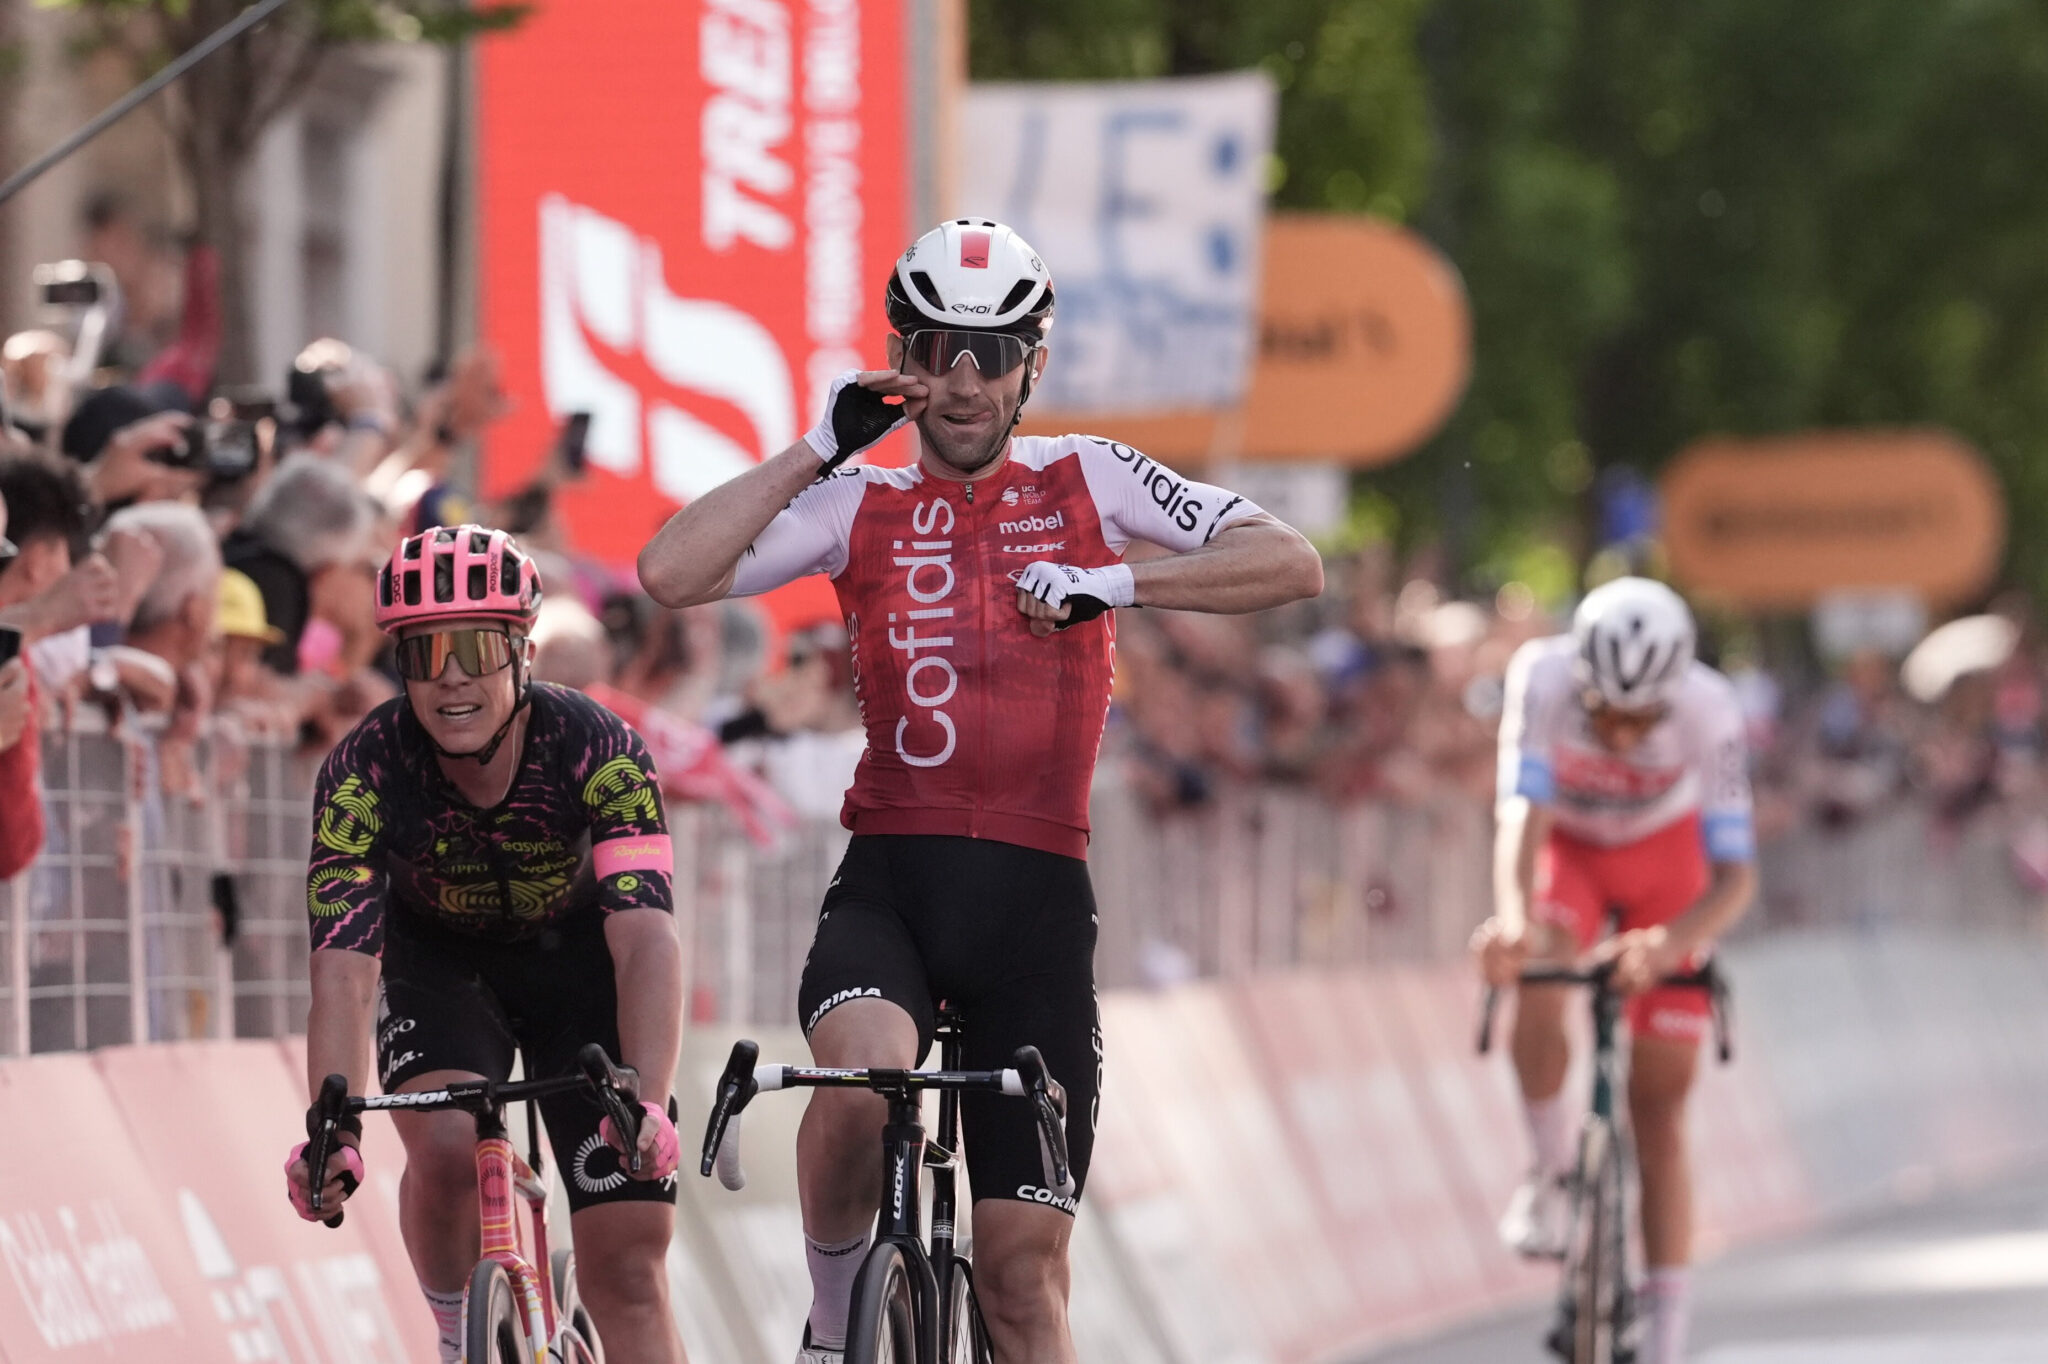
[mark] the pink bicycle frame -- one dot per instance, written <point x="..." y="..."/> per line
<point x="500" y="1174"/>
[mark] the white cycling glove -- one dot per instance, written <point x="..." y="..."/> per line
<point x="1087" y="592"/>
<point x="854" y="419"/>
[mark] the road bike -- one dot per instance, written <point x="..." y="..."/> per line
<point x="1596" y="1310"/>
<point x="913" y="1302"/>
<point x="521" y="1305"/>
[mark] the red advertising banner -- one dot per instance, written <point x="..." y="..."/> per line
<point x="687" y="209"/>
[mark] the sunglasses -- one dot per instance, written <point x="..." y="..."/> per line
<point x="993" y="353"/>
<point x="7" y="549"/>
<point x="478" y="652"/>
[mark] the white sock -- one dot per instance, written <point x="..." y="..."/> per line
<point x="833" y="1268"/>
<point x="1667" y="1303"/>
<point x="1552" y="1133"/>
<point x="448" y="1319"/>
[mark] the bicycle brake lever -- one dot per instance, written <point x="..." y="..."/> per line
<point x="736" y="1087"/>
<point x="615" y="1086"/>
<point x="329" y="1110"/>
<point x="1487" y="1008"/>
<point x="1049" y="1106"/>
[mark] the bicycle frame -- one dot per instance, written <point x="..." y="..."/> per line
<point x="942" y="1158"/>
<point x="500" y="1175"/>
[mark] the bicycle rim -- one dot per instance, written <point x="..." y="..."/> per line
<point x="882" y="1327"/>
<point x="577" y="1341"/>
<point x="1598" y="1242"/>
<point x="968" y="1339"/>
<point x="492" y="1331"/>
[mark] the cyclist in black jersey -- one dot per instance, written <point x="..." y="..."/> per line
<point x="491" y="873"/>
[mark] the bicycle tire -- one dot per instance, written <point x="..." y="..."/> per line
<point x="881" y="1328"/>
<point x="576" y="1334"/>
<point x="492" y="1331"/>
<point x="967" y="1339"/>
<point x="1599" y="1262"/>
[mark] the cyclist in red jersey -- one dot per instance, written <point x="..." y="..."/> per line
<point x="977" y="587"/>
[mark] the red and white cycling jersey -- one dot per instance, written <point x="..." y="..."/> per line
<point x="1693" y="762"/>
<point x="975" y="725"/>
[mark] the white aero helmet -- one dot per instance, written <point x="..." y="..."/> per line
<point x="1635" y="639"/>
<point x="970" y="273"/>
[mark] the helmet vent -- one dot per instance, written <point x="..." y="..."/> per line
<point x="479" y="582"/>
<point x="1019" y="291"/>
<point x="922" y="282"/>
<point x="412" y="587"/>
<point x="479" y="542"/>
<point x="384" y="586"/>
<point x="444" y="578"/>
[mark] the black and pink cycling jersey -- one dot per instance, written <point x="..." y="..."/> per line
<point x="580" y="832"/>
<point x="976" y="726"/>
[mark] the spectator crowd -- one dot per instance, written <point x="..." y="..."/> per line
<point x="187" y="556"/>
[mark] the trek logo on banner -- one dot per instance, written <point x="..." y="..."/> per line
<point x="684" y="237"/>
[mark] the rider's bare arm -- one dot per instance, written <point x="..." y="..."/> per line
<point x="338" y="1025"/>
<point x="1523" y="826"/>
<point x="1249" y="565"/>
<point x="647" y="960"/>
<point x="694" y="558"/>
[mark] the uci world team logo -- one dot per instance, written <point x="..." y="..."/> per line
<point x="351" y="820"/>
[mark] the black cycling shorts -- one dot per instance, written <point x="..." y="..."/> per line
<point x="1006" y="935"/>
<point x="451" y="1003"/>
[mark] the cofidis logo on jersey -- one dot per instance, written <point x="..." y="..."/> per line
<point x="929" y="679"/>
<point x="1169" y="492"/>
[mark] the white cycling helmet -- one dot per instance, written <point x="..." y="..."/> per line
<point x="1636" y="640"/>
<point x="971" y="273"/>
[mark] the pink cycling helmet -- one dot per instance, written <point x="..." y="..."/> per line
<point x="457" y="573"/>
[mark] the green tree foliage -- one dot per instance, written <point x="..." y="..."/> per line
<point x="1673" y="219"/>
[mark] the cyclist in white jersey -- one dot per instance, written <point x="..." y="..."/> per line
<point x="1623" y="789"/>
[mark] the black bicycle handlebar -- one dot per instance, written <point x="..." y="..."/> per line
<point x="742" y="1079"/>
<point x="1601" y="976"/>
<point x="617" y="1089"/>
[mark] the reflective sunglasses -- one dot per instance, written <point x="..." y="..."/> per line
<point x="1648" y="717"/>
<point x="993" y="353"/>
<point x="478" y="652"/>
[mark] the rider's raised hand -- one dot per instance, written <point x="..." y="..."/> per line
<point x="344" y="1174"/>
<point x="862" y="407"/>
<point x="661" y="1151"/>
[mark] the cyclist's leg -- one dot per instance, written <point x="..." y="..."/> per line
<point x="622" y="1273"/>
<point x="437" y="1022"/>
<point x="1665" y="875"/>
<point x="563" y="997"/>
<point x="1023" y="974"/>
<point x="1567" y="915"/>
<point x="863" y="1001"/>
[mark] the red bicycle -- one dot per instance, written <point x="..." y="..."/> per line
<point x="519" y="1307"/>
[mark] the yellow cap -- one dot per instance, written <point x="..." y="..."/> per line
<point x="241" y="609"/>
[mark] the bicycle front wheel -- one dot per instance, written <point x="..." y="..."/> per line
<point x="881" y="1328"/>
<point x="967" y="1334"/>
<point x="576" y="1341"/>
<point x="491" y="1327"/>
<point x="1598" y="1269"/>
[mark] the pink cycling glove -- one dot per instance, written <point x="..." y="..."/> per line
<point x="668" y="1148"/>
<point x="351" y="1179"/>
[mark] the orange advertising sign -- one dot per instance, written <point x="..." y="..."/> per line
<point x="1781" y="522"/>
<point x="1365" y="346"/>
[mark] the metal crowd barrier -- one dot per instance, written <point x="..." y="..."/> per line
<point x="120" y="931"/>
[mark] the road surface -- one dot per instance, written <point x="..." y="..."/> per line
<point x="1961" y="1280"/>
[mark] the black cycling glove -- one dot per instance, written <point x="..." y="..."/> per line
<point x="855" y="418"/>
